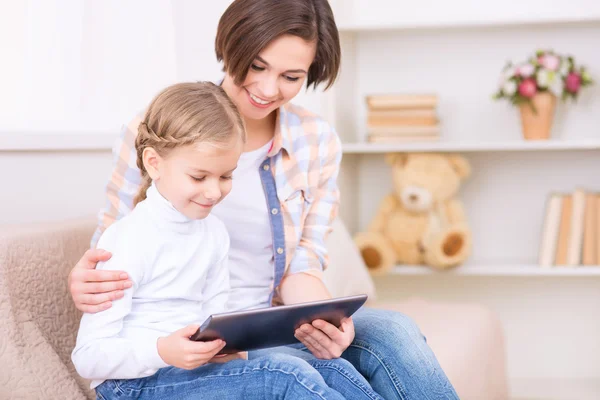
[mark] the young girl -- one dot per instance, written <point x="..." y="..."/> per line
<point x="279" y="216"/>
<point x="175" y="253"/>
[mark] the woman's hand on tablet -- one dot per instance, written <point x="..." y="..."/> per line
<point x="324" y="340"/>
<point x="179" y="351"/>
<point x="93" y="291"/>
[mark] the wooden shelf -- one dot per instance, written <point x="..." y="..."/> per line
<point x="514" y="270"/>
<point x="489" y="146"/>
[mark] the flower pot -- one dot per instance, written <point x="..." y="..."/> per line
<point x="538" y="124"/>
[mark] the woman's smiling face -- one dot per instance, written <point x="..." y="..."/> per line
<point x="274" y="78"/>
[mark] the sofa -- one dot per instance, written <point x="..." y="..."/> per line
<point x="39" y="322"/>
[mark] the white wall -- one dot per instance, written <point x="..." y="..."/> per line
<point x="127" y="52"/>
<point x="83" y="66"/>
<point x="51" y="186"/>
<point x="92" y="89"/>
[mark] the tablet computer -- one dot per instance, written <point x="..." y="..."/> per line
<point x="273" y="326"/>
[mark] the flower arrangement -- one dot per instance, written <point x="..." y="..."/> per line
<point x="546" y="71"/>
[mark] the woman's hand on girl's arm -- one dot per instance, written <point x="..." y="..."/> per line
<point x="324" y="340"/>
<point x="179" y="351"/>
<point x="93" y="291"/>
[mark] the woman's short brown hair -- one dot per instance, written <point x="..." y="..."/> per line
<point x="248" y="26"/>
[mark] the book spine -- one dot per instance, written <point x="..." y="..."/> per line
<point x="565" y="228"/>
<point x="590" y="230"/>
<point x="401" y="121"/>
<point x="577" y="224"/>
<point x="403" y="130"/>
<point x="389" y="102"/>
<point x="550" y="230"/>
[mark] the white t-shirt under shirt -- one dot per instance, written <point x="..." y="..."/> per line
<point x="246" y="215"/>
<point x="180" y="276"/>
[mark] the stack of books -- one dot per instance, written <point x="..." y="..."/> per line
<point x="396" y="118"/>
<point x="571" y="231"/>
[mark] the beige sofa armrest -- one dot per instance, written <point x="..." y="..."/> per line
<point x="39" y="320"/>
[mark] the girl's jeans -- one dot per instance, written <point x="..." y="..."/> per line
<point x="388" y="359"/>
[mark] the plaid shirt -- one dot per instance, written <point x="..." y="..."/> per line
<point x="303" y="163"/>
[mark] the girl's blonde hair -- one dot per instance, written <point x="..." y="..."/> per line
<point x="185" y="114"/>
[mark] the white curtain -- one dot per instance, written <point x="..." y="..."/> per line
<point x="82" y="66"/>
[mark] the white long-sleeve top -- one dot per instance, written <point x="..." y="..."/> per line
<point x="178" y="267"/>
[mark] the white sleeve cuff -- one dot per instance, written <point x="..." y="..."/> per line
<point x="146" y="349"/>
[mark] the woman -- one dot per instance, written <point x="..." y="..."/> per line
<point x="269" y="48"/>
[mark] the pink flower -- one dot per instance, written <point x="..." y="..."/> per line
<point x="527" y="88"/>
<point x="550" y="62"/>
<point x="526" y="70"/>
<point x="573" y="82"/>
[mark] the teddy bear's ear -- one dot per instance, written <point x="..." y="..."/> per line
<point x="460" y="165"/>
<point x="393" y="158"/>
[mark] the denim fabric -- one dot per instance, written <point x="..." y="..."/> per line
<point x="339" y="374"/>
<point x="279" y="252"/>
<point x="389" y="358"/>
<point x="389" y="354"/>
<point x="392" y="353"/>
<point x="276" y="376"/>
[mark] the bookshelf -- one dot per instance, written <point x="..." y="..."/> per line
<point x="456" y="50"/>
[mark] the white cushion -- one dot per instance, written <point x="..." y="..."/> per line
<point x="347" y="273"/>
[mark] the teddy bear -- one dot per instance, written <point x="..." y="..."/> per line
<point x="422" y="221"/>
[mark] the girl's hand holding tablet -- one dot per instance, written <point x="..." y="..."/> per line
<point x="179" y="351"/>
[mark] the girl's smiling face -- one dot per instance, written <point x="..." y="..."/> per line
<point x="194" y="178"/>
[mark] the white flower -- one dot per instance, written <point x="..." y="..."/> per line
<point x="501" y="81"/>
<point x="507" y="74"/>
<point x="564" y="67"/>
<point x="509" y="88"/>
<point x="526" y="70"/>
<point x="543" y="78"/>
<point x="557" y="87"/>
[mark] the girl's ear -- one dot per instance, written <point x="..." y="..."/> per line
<point x="152" y="163"/>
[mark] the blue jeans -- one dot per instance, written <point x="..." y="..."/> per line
<point x="388" y="359"/>
<point x="389" y="351"/>
<point x="392" y="353"/>
<point x="277" y="376"/>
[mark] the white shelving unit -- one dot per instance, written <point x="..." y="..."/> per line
<point x="510" y="20"/>
<point x="456" y="50"/>
<point x="475" y="146"/>
<point x="358" y="16"/>
<point x="505" y="270"/>
<point x="50" y="141"/>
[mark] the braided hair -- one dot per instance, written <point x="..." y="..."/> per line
<point x="185" y="114"/>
